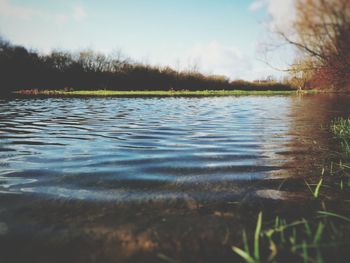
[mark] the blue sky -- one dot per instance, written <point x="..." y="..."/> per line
<point x="219" y="37"/>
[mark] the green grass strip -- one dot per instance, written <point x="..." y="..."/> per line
<point x="158" y="93"/>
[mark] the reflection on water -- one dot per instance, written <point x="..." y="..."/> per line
<point x="129" y="149"/>
<point x="143" y="148"/>
<point x="110" y="178"/>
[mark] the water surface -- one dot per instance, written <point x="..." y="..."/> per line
<point x="124" y="169"/>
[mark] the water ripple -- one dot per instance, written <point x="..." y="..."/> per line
<point x="134" y="148"/>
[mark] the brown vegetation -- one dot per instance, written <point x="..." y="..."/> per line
<point x="23" y="69"/>
<point x="321" y="32"/>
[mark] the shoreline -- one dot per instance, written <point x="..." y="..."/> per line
<point x="114" y="93"/>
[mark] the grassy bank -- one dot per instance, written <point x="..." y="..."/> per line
<point x="341" y="130"/>
<point x="324" y="235"/>
<point x="157" y="93"/>
<point x="319" y="238"/>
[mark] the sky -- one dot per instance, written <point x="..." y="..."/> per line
<point x="221" y="37"/>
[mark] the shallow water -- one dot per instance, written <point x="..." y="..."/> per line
<point x="160" y="156"/>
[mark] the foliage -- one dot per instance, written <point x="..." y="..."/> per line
<point x="88" y="70"/>
<point x="301" y="73"/>
<point x="341" y="129"/>
<point x="321" y="33"/>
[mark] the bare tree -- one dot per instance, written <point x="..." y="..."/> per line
<point x="322" y="35"/>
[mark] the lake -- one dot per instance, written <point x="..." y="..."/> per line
<point x="157" y="178"/>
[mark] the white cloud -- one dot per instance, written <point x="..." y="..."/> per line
<point x="230" y="61"/>
<point x="79" y="13"/>
<point x="61" y="19"/>
<point x="256" y="5"/>
<point x="281" y="13"/>
<point x="19" y="12"/>
<point x="214" y="58"/>
<point x="16" y="11"/>
<point x="270" y="48"/>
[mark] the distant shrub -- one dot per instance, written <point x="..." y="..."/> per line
<point x="87" y="70"/>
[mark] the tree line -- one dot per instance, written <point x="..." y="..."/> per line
<point x="88" y="70"/>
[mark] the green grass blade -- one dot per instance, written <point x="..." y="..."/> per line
<point x="319" y="258"/>
<point x="347" y="219"/>
<point x="308" y="186"/>
<point x="317" y="190"/>
<point x="319" y="232"/>
<point x="257" y="236"/>
<point x="307" y="229"/>
<point x="166" y="258"/>
<point x="245" y="242"/>
<point x="243" y="254"/>
<point x="305" y="252"/>
<point x="273" y="249"/>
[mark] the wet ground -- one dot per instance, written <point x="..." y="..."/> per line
<point x="155" y="179"/>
